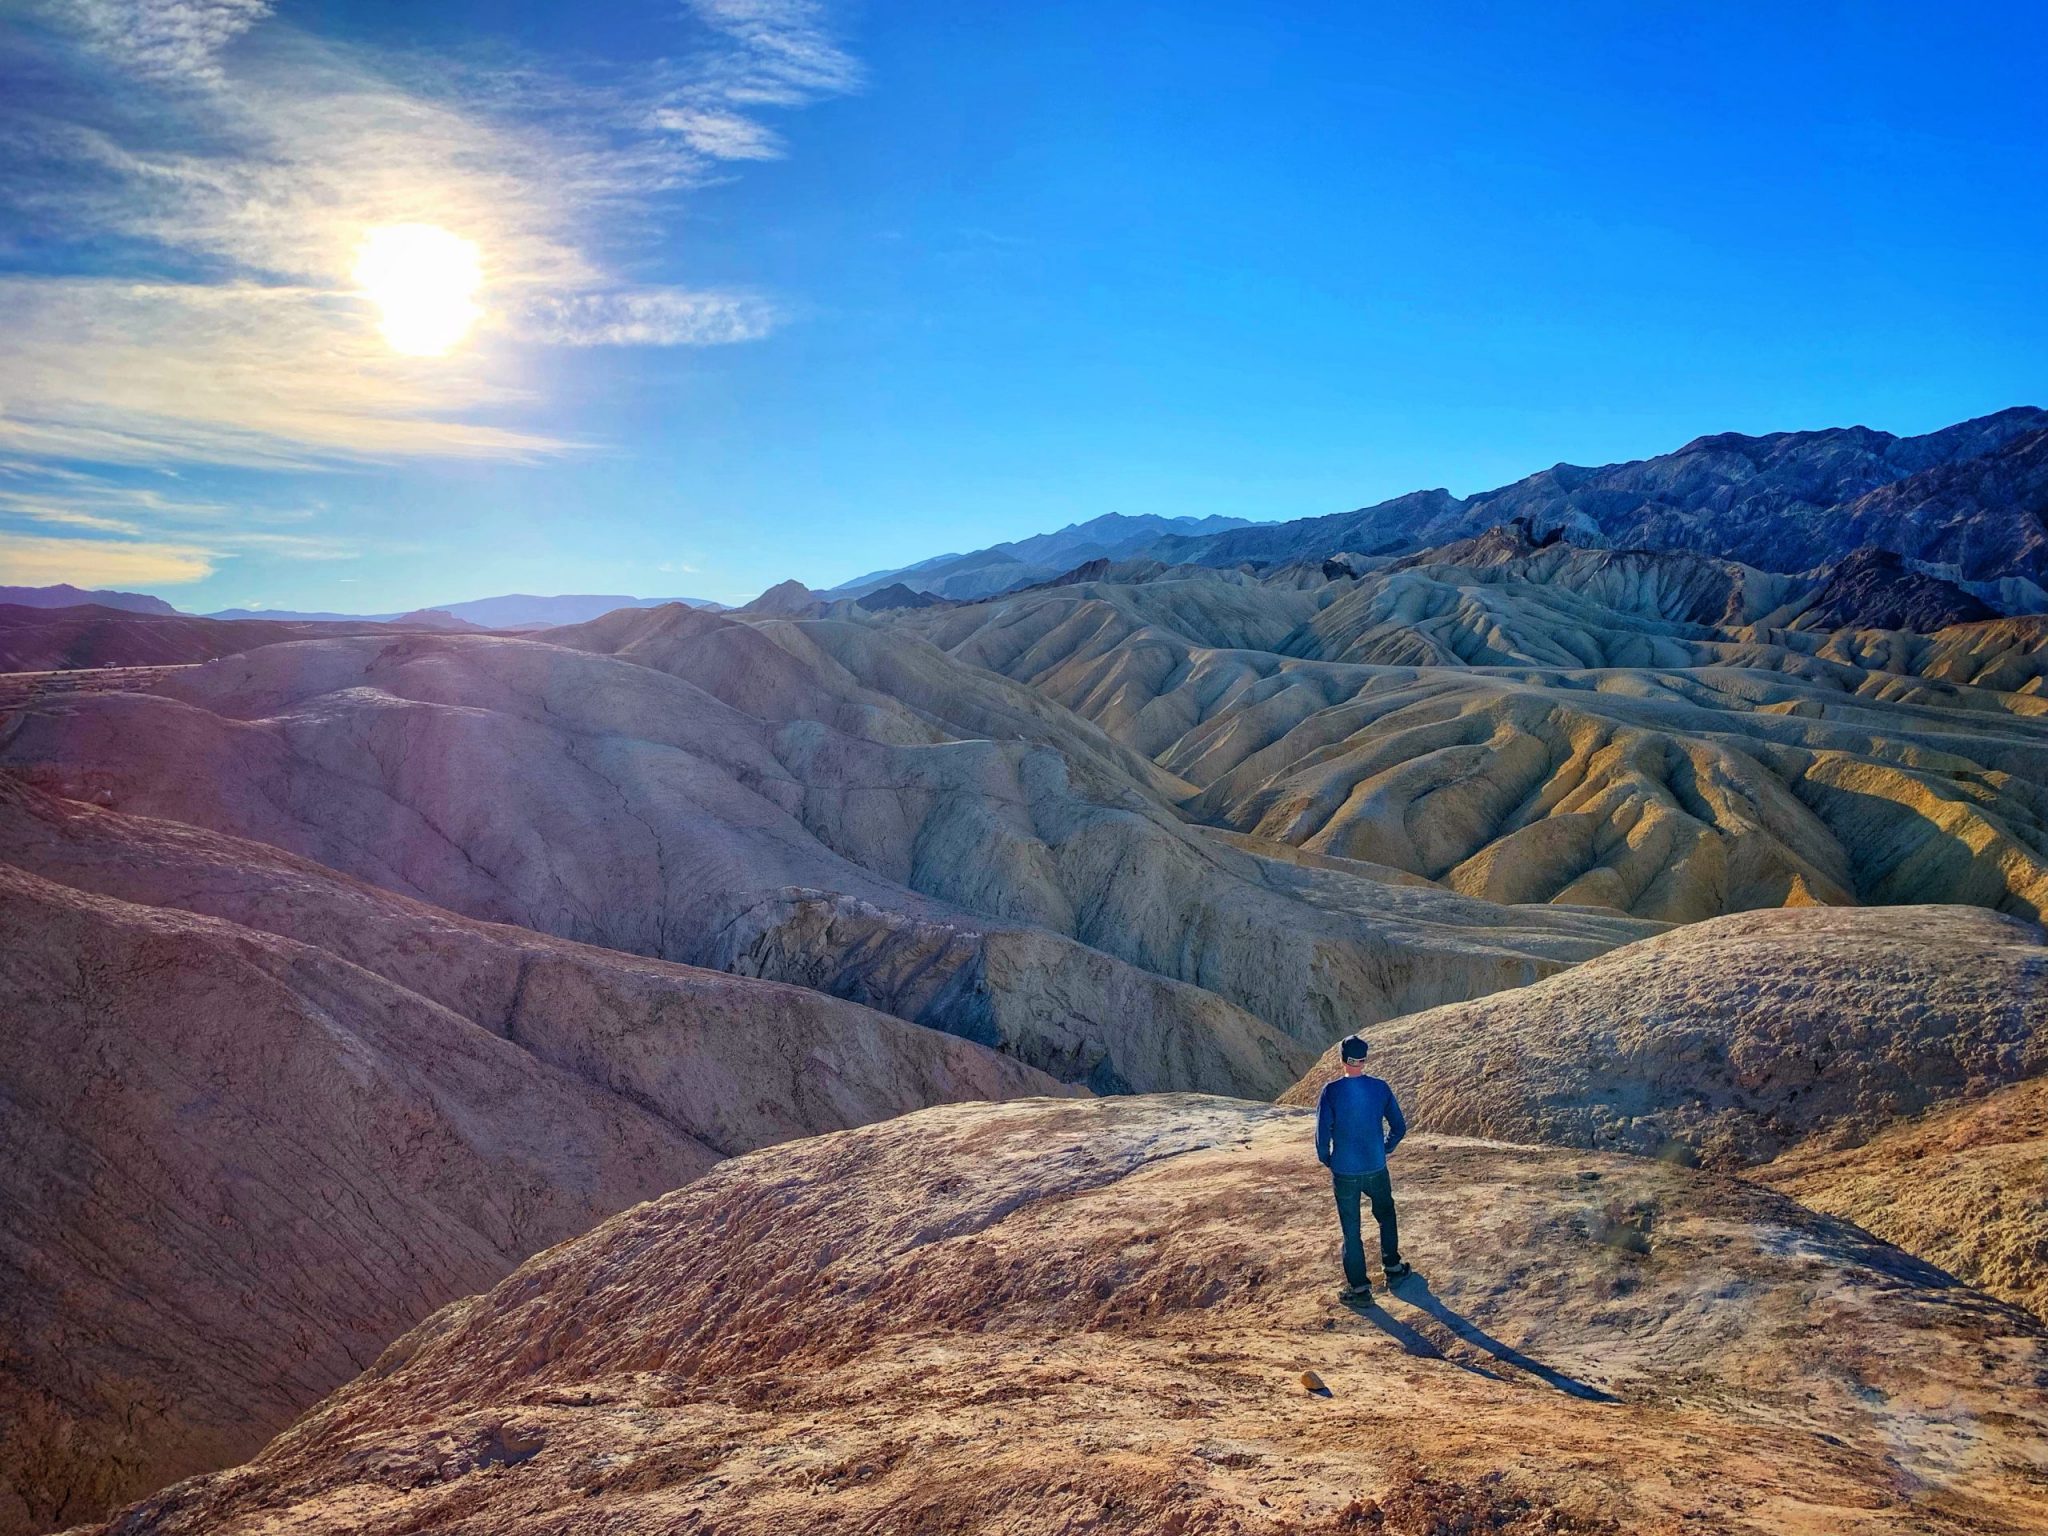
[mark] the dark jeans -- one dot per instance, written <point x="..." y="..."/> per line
<point x="1379" y="1189"/>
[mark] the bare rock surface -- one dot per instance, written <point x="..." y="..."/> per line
<point x="1101" y="1316"/>
<point x="1732" y="1040"/>
<point x="732" y="1062"/>
<point x="1546" y="724"/>
<point x="1045" y="904"/>
<point x="1965" y="1185"/>
<point x="234" y="1166"/>
<point x="260" y="1118"/>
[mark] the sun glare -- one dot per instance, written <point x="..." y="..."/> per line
<point x="424" y="282"/>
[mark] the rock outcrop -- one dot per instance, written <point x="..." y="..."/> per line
<point x="1102" y="1316"/>
<point x="896" y="595"/>
<point x="261" y="1118"/>
<point x="1730" y="1041"/>
<point x="1875" y="589"/>
<point x="785" y="599"/>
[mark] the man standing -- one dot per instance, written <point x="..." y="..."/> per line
<point x="1351" y="1143"/>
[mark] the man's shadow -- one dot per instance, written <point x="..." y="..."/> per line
<point x="1416" y="1292"/>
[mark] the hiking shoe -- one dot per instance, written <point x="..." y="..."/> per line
<point x="1356" y="1295"/>
<point x="1398" y="1271"/>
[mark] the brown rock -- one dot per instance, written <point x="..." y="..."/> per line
<point x="243" y="1150"/>
<point x="1023" y="1318"/>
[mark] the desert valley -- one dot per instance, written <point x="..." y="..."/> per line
<point x="839" y="1063"/>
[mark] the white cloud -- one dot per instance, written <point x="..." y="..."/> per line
<point x="786" y="54"/>
<point x="68" y="517"/>
<point x="161" y="39"/>
<point x="265" y="165"/>
<point x="720" y="134"/>
<point x="29" y="560"/>
<point x="287" y="546"/>
<point x="777" y="53"/>
<point x="652" y="317"/>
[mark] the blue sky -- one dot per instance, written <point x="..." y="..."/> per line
<point x="774" y="288"/>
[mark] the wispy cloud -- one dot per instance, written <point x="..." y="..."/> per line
<point x="719" y="134"/>
<point x="260" y="160"/>
<point x="137" y="532"/>
<point x="772" y="54"/>
<point x="785" y="54"/>
<point x="174" y="40"/>
<point x="33" y="561"/>
<point x="657" y="317"/>
<point x="70" y="517"/>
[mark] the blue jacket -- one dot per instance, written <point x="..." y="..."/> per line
<point x="1348" y="1119"/>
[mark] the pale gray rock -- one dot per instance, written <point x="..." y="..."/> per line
<point x="1730" y="1041"/>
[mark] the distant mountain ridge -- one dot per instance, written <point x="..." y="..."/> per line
<point x="1020" y="562"/>
<point x="513" y="608"/>
<point x="1973" y="496"/>
<point x="64" y="595"/>
<point x="1967" y="503"/>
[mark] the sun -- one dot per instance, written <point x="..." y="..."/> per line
<point x="424" y="282"/>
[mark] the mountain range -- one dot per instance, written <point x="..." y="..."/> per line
<point x="1968" y="503"/>
<point x="1000" y="567"/>
<point x="64" y="595"/>
<point x="511" y="611"/>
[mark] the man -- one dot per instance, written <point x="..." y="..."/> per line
<point x="1357" y="1125"/>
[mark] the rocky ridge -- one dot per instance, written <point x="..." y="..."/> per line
<point x="1727" y="1042"/>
